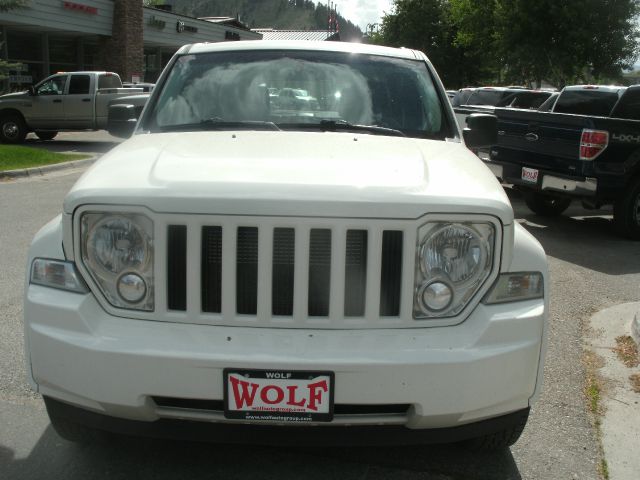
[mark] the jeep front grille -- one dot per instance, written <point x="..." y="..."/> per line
<point x="289" y="271"/>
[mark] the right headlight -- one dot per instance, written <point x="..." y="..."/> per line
<point x="454" y="260"/>
<point x="117" y="249"/>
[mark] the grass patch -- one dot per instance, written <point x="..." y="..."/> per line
<point x="604" y="469"/>
<point x="593" y="384"/>
<point x="627" y="351"/>
<point x="13" y="157"/>
<point x="635" y="382"/>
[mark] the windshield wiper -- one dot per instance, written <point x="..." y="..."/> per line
<point x="216" y="123"/>
<point x="333" y="125"/>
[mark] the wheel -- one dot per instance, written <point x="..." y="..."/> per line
<point x="499" y="440"/>
<point x="545" y="204"/>
<point x="626" y="211"/>
<point x="12" y="128"/>
<point x="46" y="135"/>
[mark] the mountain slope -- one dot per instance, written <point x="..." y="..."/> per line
<point x="277" y="14"/>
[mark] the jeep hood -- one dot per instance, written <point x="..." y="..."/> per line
<point x="327" y="174"/>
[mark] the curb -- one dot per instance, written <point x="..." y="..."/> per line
<point x="38" y="171"/>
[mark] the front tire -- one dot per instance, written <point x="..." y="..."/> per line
<point x="546" y="205"/>
<point x="46" y="135"/>
<point x="626" y="211"/>
<point x="12" y="128"/>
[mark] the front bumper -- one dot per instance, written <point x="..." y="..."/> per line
<point x="485" y="367"/>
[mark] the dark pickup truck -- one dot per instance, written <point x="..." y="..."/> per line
<point x="587" y="148"/>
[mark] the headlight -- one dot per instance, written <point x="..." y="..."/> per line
<point x="454" y="260"/>
<point x="117" y="249"/>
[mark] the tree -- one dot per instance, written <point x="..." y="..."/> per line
<point x="428" y="25"/>
<point x="518" y="41"/>
<point x="6" y="5"/>
<point x="561" y="42"/>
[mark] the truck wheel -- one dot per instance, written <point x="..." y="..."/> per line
<point x="545" y="204"/>
<point x="499" y="440"/>
<point x="12" y="129"/>
<point x="42" y="135"/>
<point x="626" y="212"/>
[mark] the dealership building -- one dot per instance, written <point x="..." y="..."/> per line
<point x="123" y="36"/>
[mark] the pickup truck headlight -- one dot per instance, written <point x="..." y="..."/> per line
<point x="454" y="260"/>
<point x="117" y="249"/>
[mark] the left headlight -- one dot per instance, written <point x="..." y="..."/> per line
<point x="454" y="260"/>
<point x="117" y="250"/>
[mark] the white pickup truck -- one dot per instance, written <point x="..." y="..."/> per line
<point x="240" y="271"/>
<point x="64" y="101"/>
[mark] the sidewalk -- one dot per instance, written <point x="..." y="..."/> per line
<point x="620" y="422"/>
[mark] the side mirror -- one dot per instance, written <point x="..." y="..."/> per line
<point x="122" y="120"/>
<point x="32" y="90"/>
<point x="481" y="130"/>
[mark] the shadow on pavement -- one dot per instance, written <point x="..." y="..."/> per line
<point x="129" y="457"/>
<point x="582" y="237"/>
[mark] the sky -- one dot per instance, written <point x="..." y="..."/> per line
<point x="362" y="12"/>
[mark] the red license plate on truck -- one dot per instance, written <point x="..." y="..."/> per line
<point x="529" y="175"/>
<point x="278" y="395"/>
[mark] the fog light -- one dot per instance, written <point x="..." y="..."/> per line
<point x="131" y="287"/>
<point x="436" y="296"/>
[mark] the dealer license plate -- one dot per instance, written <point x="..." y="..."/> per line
<point x="278" y="395"/>
<point x="530" y="175"/>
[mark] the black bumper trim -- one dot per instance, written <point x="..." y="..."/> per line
<point x="339" y="435"/>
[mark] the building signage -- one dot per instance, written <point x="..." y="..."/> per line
<point x="156" y="22"/>
<point x="20" y="79"/>
<point x="181" y="27"/>
<point x="79" y="7"/>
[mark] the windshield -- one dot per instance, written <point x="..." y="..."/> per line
<point x="300" y="90"/>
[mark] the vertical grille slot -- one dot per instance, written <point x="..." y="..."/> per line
<point x="247" y="271"/>
<point x="355" y="273"/>
<point x="211" y="269"/>
<point x="391" y="273"/>
<point x="319" y="272"/>
<point x="177" y="267"/>
<point x="283" y="271"/>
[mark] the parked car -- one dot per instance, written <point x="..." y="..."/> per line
<point x="230" y="274"/>
<point x="462" y="96"/>
<point x="587" y="148"/>
<point x="524" y="99"/>
<point x="64" y="101"/>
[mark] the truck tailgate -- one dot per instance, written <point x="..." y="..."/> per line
<point x="540" y="140"/>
